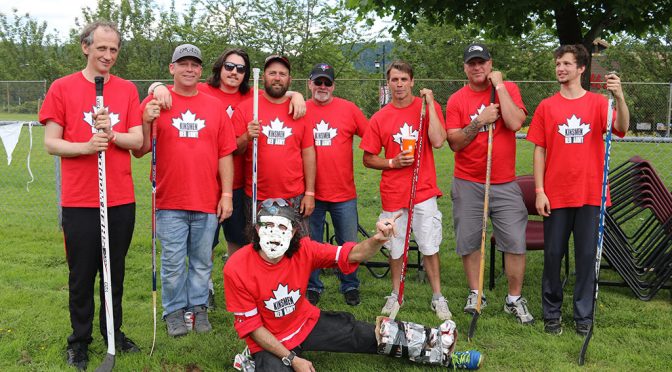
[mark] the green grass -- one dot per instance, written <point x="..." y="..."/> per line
<point x="4" y="116"/>
<point x="630" y="334"/>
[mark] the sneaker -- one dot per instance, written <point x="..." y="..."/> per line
<point x="440" y="306"/>
<point x="519" y="309"/>
<point x="123" y="343"/>
<point x="352" y="297"/>
<point x="175" y="324"/>
<point x="553" y="326"/>
<point x="466" y="359"/>
<point x="470" y="307"/>
<point x="392" y="299"/>
<point x="201" y="322"/>
<point x="313" y="296"/>
<point x="77" y="355"/>
<point x="582" y="329"/>
<point x="211" y="300"/>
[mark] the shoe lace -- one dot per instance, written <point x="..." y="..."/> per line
<point x="441" y="305"/>
<point x="520" y="306"/>
<point x="461" y="359"/>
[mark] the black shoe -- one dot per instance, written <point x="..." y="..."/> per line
<point x="582" y="329"/>
<point x="313" y="296"/>
<point x="77" y="355"/>
<point x="352" y="297"/>
<point x="553" y="326"/>
<point x="124" y="344"/>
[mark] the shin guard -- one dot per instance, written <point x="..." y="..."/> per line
<point x="419" y="343"/>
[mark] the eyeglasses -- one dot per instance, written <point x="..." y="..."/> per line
<point x="280" y="202"/>
<point x="326" y="83"/>
<point x="229" y="66"/>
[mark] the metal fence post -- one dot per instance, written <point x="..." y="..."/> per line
<point x="669" y="111"/>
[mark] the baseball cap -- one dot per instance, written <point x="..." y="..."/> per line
<point x="322" y="70"/>
<point x="277" y="58"/>
<point x="187" y="50"/>
<point x="476" y="50"/>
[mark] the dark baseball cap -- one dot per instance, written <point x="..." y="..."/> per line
<point x="187" y="50"/>
<point x="476" y="50"/>
<point x="322" y="70"/>
<point x="277" y="58"/>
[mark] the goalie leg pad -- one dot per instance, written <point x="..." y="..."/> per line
<point x="419" y="343"/>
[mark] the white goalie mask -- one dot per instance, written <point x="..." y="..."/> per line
<point x="275" y="234"/>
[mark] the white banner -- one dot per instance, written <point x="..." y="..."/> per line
<point x="9" y="133"/>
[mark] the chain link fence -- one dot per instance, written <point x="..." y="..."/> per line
<point x="27" y="204"/>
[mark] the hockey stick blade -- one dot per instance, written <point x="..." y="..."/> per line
<point x="584" y="348"/>
<point x="472" y="326"/>
<point x="107" y="365"/>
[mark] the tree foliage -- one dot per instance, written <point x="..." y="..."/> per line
<point x="575" y="22"/>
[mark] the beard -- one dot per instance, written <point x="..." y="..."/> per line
<point x="275" y="91"/>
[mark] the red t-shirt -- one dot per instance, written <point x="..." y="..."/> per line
<point x="571" y="132"/>
<point x="280" y="145"/>
<point x="70" y="103"/>
<point x="334" y="126"/>
<point x="230" y="101"/>
<point x="259" y="293"/>
<point x="191" y="138"/>
<point x="470" y="162"/>
<point x="386" y="129"/>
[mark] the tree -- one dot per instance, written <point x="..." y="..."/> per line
<point x="575" y="22"/>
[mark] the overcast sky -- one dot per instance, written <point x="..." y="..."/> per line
<point x="61" y="14"/>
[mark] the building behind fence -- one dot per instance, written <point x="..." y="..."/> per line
<point x="34" y="205"/>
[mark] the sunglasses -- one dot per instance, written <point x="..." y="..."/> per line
<point x="278" y="201"/>
<point x="326" y="83"/>
<point x="229" y="66"/>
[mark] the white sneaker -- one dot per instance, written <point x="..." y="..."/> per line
<point x="392" y="299"/>
<point x="440" y="306"/>
<point x="470" y="307"/>
<point x="519" y="309"/>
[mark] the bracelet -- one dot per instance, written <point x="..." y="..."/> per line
<point x="391" y="163"/>
<point x="538" y="190"/>
<point x="500" y="86"/>
<point x="309" y="193"/>
<point x="227" y="194"/>
<point x="156" y="86"/>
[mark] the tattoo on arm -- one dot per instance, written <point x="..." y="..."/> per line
<point x="471" y="130"/>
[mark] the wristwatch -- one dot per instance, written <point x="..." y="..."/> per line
<point x="289" y="359"/>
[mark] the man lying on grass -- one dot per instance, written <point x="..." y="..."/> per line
<point x="265" y="286"/>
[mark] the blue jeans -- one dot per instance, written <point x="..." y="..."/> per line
<point x="185" y="234"/>
<point x="344" y="218"/>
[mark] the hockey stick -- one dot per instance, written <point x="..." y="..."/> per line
<point x="486" y="201"/>
<point x="411" y="206"/>
<point x="154" y="134"/>
<point x="600" y="228"/>
<point x="108" y="361"/>
<point x="255" y="144"/>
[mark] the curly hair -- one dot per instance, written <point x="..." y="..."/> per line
<point x="294" y="244"/>
<point x="578" y="50"/>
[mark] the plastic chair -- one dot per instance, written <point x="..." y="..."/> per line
<point x="534" y="233"/>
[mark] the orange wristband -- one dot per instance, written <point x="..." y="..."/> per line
<point x="227" y="194"/>
<point x="538" y="190"/>
<point x="309" y="193"/>
<point x="500" y="86"/>
<point x="391" y="163"/>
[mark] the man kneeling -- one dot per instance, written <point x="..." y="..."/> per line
<point x="265" y="285"/>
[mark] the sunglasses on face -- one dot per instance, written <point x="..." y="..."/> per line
<point x="229" y="66"/>
<point x="326" y="83"/>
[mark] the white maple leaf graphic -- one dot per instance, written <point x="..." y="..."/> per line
<point x="88" y="117"/>
<point x="273" y="130"/>
<point x="282" y="298"/>
<point x="323" y="127"/>
<point x="405" y="131"/>
<point x="188" y="122"/>
<point x="478" y="112"/>
<point x="574" y="128"/>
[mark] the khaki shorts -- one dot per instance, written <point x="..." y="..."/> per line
<point x="507" y="213"/>
<point x="426" y="229"/>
